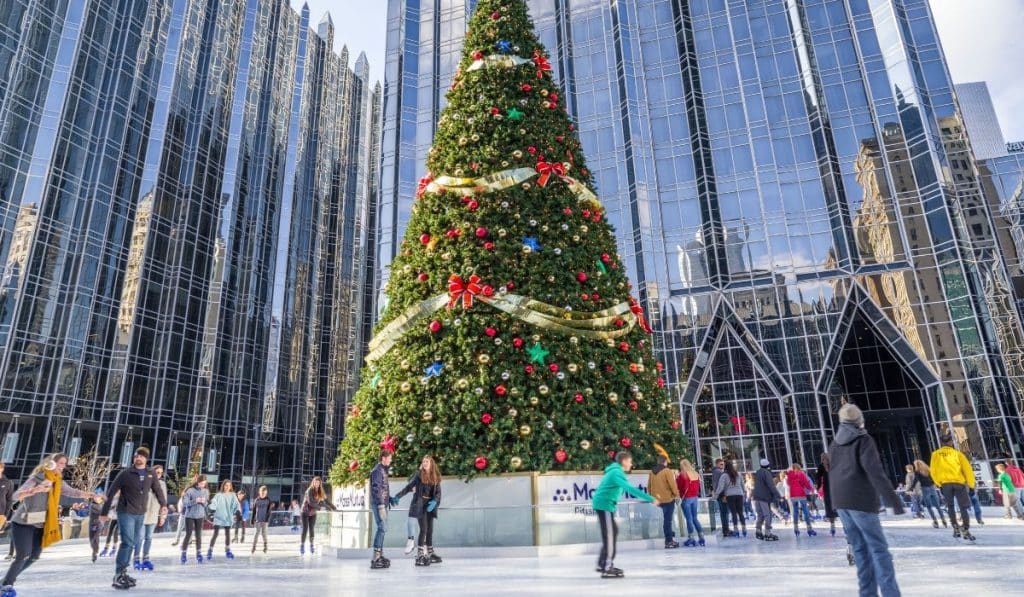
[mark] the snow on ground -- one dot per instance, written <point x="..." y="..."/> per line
<point x="928" y="562"/>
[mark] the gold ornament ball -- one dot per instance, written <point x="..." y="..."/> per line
<point x="406" y="386"/>
<point x="459" y="172"/>
<point x="483" y="359"/>
<point x="463" y="140"/>
<point x="446" y="256"/>
<point x="543" y="390"/>
<point x="475" y="137"/>
<point x="585" y="444"/>
<point x="588" y="391"/>
<point x="639" y="395"/>
<point x="517" y="154"/>
<point x="544" y="228"/>
<point x="544" y="92"/>
<point x="643" y="426"/>
<point x="407" y="268"/>
<point x="513" y="413"/>
<point x="524" y="430"/>
<point x="546" y="104"/>
<point x="574" y="340"/>
<point x="404" y="364"/>
<point x="621" y="285"/>
<point x="427" y="415"/>
<point x="613" y="397"/>
<point x="534" y="401"/>
<point x="437" y="430"/>
<point x="462" y="384"/>
<point x="584" y="229"/>
<point x="551" y="279"/>
<point x="502" y="232"/>
<point x="516" y="462"/>
<point x="504" y="164"/>
<point x="573" y="367"/>
<point x="513" y="391"/>
<point x="575" y="238"/>
<point x="527" y="186"/>
<point x="522" y="131"/>
<point x="527" y="250"/>
<point x="535" y="337"/>
<point x="609" y="342"/>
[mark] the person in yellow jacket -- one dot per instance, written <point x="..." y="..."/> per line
<point x="662" y="485"/>
<point x="954" y="477"/>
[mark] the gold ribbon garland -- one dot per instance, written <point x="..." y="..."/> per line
<point x="505" y="179"/>
<point x="598" y="325"/>
<point x="498" y="60"/>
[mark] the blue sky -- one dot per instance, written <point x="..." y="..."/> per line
<point x="980" y="37"/>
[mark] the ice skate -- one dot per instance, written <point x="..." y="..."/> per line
<point x="209" y="555"/>
<point x="379" y="561"/>
<point x="184" y="558"/>
<point x="302" y="549"/>
<point x="93" y="559"/>
<point x="434" y="558"/>
<point x="121" y="582"/>
<point x="612" y="572"/>
<point x="103" y="553"/>
<point x="956" y="531"/>
<point x="8" y="591"/>
<point x="312" y="549"/>
<point x="935" y="524"/>
<point x="701" y="542"/>
<point x="968" y="536"/>
<point x="759" y="535"/>
<point x="229" y="555"/>
<point x="199" y="558"/>
<point x="812" y="533"/>
<point x="147" y="565"/>
<point x="253" y="548"/>
<point x="671" y="545"/>
<point x="744" y="531"/>
<point x="796" y="532"/>
<point x="410" y="546"/>
<point x="689" y="543"/>
<point x="944" y="524"/>
<point x="771" y="537"/>
<point x="422" y="559"/>
<point x="137" y="565"/>
<point x="832" y="530"/>
<point x="264" y="548"/>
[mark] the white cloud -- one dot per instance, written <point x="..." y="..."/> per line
<point x="981" y="39"/>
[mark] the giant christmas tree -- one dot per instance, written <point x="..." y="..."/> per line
<point x="510" y="340"/>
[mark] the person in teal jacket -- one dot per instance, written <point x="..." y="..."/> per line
<point x="224" y="505"/>
<point x="606" y="502"/>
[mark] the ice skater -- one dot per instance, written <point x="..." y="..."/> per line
<point x="729" y="491"/>
<point x="715" y="505"/>
<point x="296" y="511"/>
<point x="661" y="483"/>
<point x="1005" y="483"/>
<point x="929" y="495"/>
<point x="313" y="501"/>
<point x="783" y="487"/>
<point x="953" y="475"/>
<point x="688" y="483"/>
<point x="913" y="492"/>
<point x="821" y="476"/>
<point x="380" y="503"/>
<point x="764" y="494"/>
<point x="193" y="511"/>
<point x="242" y="516"/>
<point x="112" y="532"/>
<point x="857" y="480"/>
<point x="260" y="518"/>
<point x="95" y="526"/>
<point x="181" y="513"/>
<point x="144" y="539"/>
<point x="425" y="487"/>
<point x="224" y="506"/>
<point x="606" y="502"/>
<point x="799" y="488"/>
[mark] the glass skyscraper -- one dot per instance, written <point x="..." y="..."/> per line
<point x="797" y="202"/>
<point x="184" y="187"/>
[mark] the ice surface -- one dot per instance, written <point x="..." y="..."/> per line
<point x="928" y="562"/>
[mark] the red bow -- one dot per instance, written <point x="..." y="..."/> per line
<point x="546" y="169"/>
<point x="389" y="443"/>
<point x="739" y="424"/>
<point x="459" y="289"/>
<point x="424" y="183"/>
<point x="637" y="310"/>
<point x="541" y="63"/>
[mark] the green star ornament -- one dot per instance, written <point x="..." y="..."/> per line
<point x="537" y="353"/>
<point x="515" y="114"/>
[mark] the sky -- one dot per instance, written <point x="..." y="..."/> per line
<point x="980" y="38"/>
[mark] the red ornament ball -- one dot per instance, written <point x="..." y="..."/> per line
<point x="510" y="286"/>
<point x="500" y="390"/>
<point x="528" y="369"/>
<point x="352" y="466"/>
<point x="633" y="405"/>
<point x="478" y="55"/>
<point x="586" y="213"/>
<point x="531" y="149"/>
<point x="424" y="239"/>
<point x="553" y="367"/>
<point x="561" y="456"/>
<point x="626" y="442"/>
<point x="517" y="342"/>
<point x="494" y="17"/>
<point x="585" y="296"/>
<point x="495" y="111"/>
<point x="675" y="424"/>
<point x="578" y="398"/>
<point x="481" y="232"/>
<point x="486" y="418"/>
<point x="624" y="346"/>
<point x="487" y="289"/>
<point x="488" y="246"/>
<point x="491" y="332"/>
<point x="661" y="382"/>
<point x="473" y="205"/>
<point x="595" y="296"/>
<point x="435" y="326"/>
<point x="527" y="87"/>
<point x="567" y="211"/>
<point x="423" y="277"/>
<point x="480" y="463"/>
<point x="581" y="277"/>
<point x="605" y="257"/>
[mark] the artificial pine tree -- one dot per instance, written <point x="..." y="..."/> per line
<point x="510" y="341"/>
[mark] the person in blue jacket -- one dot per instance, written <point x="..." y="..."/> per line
<point x="606" y="502"/>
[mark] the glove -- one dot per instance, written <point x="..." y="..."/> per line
<point x="393" y="501"/>
<point x="431" y="505"/>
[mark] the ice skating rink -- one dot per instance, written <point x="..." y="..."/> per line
<point x="928" y="562"/>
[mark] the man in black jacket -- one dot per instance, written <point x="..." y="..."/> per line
<point x="765" y="494"/>
<point x="380" y="502"/>
<point x="856" y="479"/>
<point x="134" y="486"/>
<point x="723" y="512"/>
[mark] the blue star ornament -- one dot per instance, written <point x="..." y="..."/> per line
<point x="434" y="370"/>
<point x="504" y="46"/>
<point x="531" y="241"/>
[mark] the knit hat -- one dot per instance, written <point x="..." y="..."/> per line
<point x="765" y="463"/>
<point x="849" y="413"/>
<point x="142" y="451"/>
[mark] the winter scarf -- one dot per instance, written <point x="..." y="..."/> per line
<point x="51" y="528"/>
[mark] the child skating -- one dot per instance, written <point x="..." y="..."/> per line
<point x="95" y="526"/>
<point x="260" y="518"/>
<point x="193" y="510"/>
<point x="606" y="502"/>
<point x="224" y="505"/>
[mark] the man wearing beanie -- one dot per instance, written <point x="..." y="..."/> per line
<point x="134" y="485"/>
<point x="764" y="495"/>
<point x="954" y="477"/>
<point x="856" y="480"/>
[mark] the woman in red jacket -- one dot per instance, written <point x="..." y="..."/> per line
<point x="688" y="483"/>
<point x="799" y="488"/>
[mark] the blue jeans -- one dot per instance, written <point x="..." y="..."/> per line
<point x="871" y="553"/>
<point x="380" y="519"/>
<point x="144" y="541"/>
<point x="976" y="504"/>
<point x="930" y="500"/>
<point x="800" y="505"/>
<point x="130" y="526"/>
<point x="667" y="510"/>
<point x="690" y="513"/>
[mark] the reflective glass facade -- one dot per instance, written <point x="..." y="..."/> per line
<point x="797" y="202"/>
<point x="183" y="192"/>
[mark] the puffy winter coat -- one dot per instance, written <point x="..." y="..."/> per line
<point x="799" y="485"/>
<point x="949" y="465"/>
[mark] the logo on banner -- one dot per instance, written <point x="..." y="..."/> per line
<point x="584" y="492"/>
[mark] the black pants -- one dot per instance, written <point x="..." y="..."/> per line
<point x="28" y="544"/>
<point x="723" y="514"/>
<point x="227" y="537"/>
<point x="308" y="526"/>
<point x="239" y="524"/>
<point x="112" y="533"/>
<point x="735" y="503"/>
<point x="956" y="492"/>
<point x="426" y="522"/>
<point x="193" y="525"/>
<point x="94" y="539"/>
<point x="667" y="511"/>
<point x="609" y="534"/>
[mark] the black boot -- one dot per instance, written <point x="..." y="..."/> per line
<point x="434" y="558"/>
<point x="423" y="559"/>
<point x="121" y="582"/>
<point x="379" y="561"/>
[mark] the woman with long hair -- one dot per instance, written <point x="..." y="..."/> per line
<point x="35" y="524"/>
<point x="821" y="476"/>
<point x="426" y="498"/>
<point x="730" y="490"/>
<point x="799" y="488"/>
<point x="224" y="506"/>
<point x="929" y="495"/>
<point x="192" y="510"/>
<point x="313" y="501"/>
<point x="688" y="483"/>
